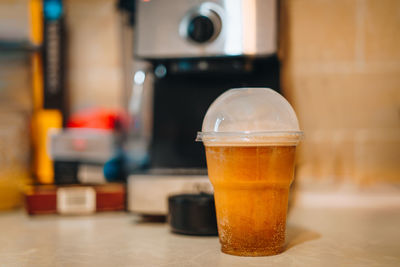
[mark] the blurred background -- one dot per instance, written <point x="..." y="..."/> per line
<point x="84" y="84"/>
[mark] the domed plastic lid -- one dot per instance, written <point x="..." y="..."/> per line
<point x="250" y="116"/>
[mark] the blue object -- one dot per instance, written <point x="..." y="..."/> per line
<point x="121" y="165"/>
<point x="113" y="168"/>
<point x="52" y="9"/>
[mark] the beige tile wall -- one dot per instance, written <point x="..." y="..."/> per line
<point x="95" y="77"/>
<point x="341" y="71"/>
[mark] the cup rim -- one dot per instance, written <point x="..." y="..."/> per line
<point x="249" y="137"/>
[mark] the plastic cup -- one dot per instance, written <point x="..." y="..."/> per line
<point x="250" y="137"/>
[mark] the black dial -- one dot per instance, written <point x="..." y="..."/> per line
<point x="200" y="29"/>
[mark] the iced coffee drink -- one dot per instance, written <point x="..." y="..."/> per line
<point x="250" y="161"/>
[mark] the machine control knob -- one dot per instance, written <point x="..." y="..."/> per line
<point x="201" y="25"/>
<point x="200" y="29"/>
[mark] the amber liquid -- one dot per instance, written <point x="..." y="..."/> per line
<point x="251" y="188"/>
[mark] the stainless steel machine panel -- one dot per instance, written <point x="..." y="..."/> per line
<point x="198" y="28"/>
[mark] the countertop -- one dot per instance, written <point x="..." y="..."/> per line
<point x="316" y="236"/>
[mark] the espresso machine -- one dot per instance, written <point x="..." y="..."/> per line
<point x="187" y="53"/>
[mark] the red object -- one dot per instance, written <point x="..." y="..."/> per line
<point x="95" y="119"/>
<point x="42" y="199"/>
<point x="110" y="198"/>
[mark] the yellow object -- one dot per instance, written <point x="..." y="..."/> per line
<point x="36" y="17"/>
<point x="11" y="185"/>
<point x="37" y="81"/>
<point x="36" y="37"/>
<point x="42" y="122"/>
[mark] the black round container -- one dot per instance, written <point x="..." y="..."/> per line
<point x="192" y="214"/>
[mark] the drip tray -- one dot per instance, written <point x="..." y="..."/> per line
<point x="148" y="192"/>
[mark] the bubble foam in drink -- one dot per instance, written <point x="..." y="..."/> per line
<point x="250" y="137"/>
<point x="251" y="187"/>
